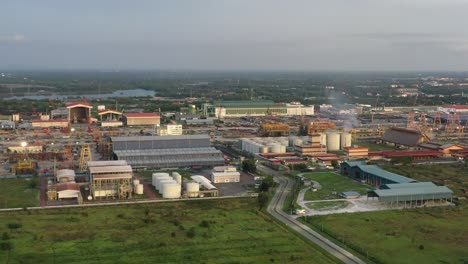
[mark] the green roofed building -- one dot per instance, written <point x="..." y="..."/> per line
<point x="223" y="109"/>
<point x="371" y="174"/>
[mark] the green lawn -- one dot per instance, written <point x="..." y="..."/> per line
<point x="18" y="193"/>
<point x="375" y="147"/>
<point x="325" y="206"/>
<point x="435" y="235"/>
<point x="332" y="183"/>
<point x="215" y="231"/>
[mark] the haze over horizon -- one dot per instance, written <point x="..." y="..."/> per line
<point x="339" y="35"/>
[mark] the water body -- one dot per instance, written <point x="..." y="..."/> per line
<point x="115" y="94"/>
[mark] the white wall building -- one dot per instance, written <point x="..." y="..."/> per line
<point x="170" y="130"/>
<point x="225" y="174"/>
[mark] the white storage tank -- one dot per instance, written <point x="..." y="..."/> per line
<point x="136" y="182"/>
<point x="333" y="141"/>
<point x="139" y="189"/>
<point x="177" y="177"/>
<point x="282" y="149"/>
<point x="345" y="140"/>
<point x="158" y="175"/>
<point x="275" y="148"/>
<point x="323" y="139"/>
<point x="264" y="149"/>
<point x="158" y="181"/>
<point x="164" y="182"/>
<point x="191" y="188"/>
<point x="171" y="191"/>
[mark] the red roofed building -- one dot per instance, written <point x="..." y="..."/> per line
<point x="356" y="152"/>
<point x="141" y="119"/>
<point x="415" y="155"/>
<point x="110" y="118"/>
<point x="79" y="112"/>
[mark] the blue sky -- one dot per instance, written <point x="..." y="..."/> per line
<point x="235" y="35"/>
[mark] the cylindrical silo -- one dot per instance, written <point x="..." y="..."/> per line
<point x="159" y="180"/>
<point x="192" y="189"/>
<point x="158" y="175"/>
<point x="264" y="149"/>
<point x="282" y="149"/>
<point x="171" y="191"/>
<point x="323" y="139"/>
<point x="177" y="177"/>
<point x="165" y="182"/>
<point x="345" y="140"/>
<point x="275" y="148"/>
<point x="139" y="189"/>
<point x="136" y="182"/>
<point x="333" y="141"/>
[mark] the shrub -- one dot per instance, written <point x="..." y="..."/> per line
<point x="205" y="224"/>
<point x="191" y="232"/>
<point x="12" y="226"/>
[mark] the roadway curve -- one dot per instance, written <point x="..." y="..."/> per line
<point x="275" y="208"/>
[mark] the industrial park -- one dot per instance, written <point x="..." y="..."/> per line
<point x="234" y="132"/>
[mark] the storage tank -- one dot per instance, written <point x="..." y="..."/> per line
<point x="333" y="141"/>
<point x="275" y="148"/>
<point x="323" y="139"/>
<point x="345" y="140"/>
<point x="139" y="189"/>
<point x="264" y="149"/>
<point x="298" y="142"/>
<point x="158" y="175"/>
<point x="165" y="182"/>
<point x="193" y="187"/>
<point x="177" y="177"/>
<point x="282" y="149"/>
<point x="158" y="181"/>
<point x="171" y="191"/>
<point x="136" y="182"/>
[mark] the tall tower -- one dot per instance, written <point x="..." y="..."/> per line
<point x="85" y="156"/>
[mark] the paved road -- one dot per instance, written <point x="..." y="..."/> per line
<point x="275" y="208"/>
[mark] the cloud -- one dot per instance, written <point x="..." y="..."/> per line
<point x="17" y="38"/>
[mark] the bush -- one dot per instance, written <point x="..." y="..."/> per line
<point x="205" y="224"/>
<point x="191" y="232"/>
<point x="6" y="246"/>
<point x="12" y="226"/>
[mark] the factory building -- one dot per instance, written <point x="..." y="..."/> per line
<point x="55" y="123"/>
<point x="453" y="108"/>
<point x="141" y="119"/>
<point x="371" y="174"/>
<point x="226" y="109"/>
<point x="110" y="118"/>
<point x="7" y="125"/>
<point x="167" y="152"/>
<point x="356" y="152"/>
<point x="79" y="112"/>
<point x="65" y="175"/>
<point x="225" y="174"/>
<point x="111" y="180"/>
<point x="415" y="194"/>
<point x="170" y="130"/>
<point x="404" y="137"/>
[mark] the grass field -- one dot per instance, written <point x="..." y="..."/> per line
<point x="376" y="147"/>
<point x="332" y="183"/>
<point x="18" y="193"/>
<point x="435" y="235"/>
<point x="221" y="231"/>
<point x="325" y="206"/>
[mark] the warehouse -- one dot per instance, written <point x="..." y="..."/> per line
<point x="412" y="194"/>
<point x="371" y="174"/>
<point x="79" y="112"/>
<point x="225" y="174"/>
<point x="404" y="137"/>
<point x="141" y="119"/>
<point x="222" y="109"/>
<point x="110" y="118"/>
<point x="167" y="151"/>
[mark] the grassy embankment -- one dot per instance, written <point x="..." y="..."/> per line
<point x="19" y="193"/>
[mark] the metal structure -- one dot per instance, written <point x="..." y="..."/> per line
<point x="85" y="156"/>
<point x="272" y="129"/>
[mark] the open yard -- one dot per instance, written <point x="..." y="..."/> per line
<point x="434" y="235"/>
<point x="19" y="193"/>
<point x="332" y="184"/>
<point x="216" y="231"/>
<point x="376" y="147"/>
<point x="328" y="205"/>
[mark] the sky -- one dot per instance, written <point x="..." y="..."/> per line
<point x="304" y="35"/>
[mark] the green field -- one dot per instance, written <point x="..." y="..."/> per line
<point x="332" y="183"/>
<point x="435" y="235"/>
<point x="215" y="231"/>
<point x="325" y="206"/>
<point x="17" y="193"/>
<point x="376" y="147"/>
